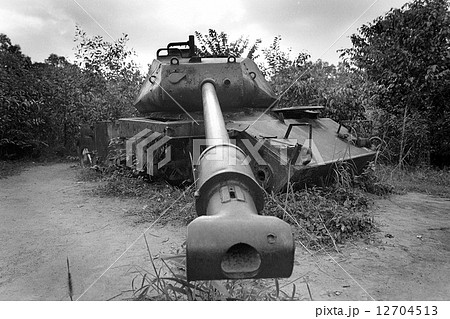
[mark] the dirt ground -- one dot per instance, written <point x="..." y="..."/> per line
<point x="47" y="216"/>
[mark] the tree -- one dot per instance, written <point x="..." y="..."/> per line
<point x="114" y="77"/>
<point x="300" y="81"/>
<point x="406" y="53"/>
<point x="44" y="103"/>
<point x="218" y="44"/>
<point x="277" y="60"/>
<point x="16" y="95"/>
<point x="62" y="86"/>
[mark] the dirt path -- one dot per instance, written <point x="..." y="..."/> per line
<point x="46" y="216"/>
<point x="408" y="259"/>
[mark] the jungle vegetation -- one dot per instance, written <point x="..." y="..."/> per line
<point x="396" y="74"/>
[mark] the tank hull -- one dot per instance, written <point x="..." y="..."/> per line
<point x="275" y="160"/>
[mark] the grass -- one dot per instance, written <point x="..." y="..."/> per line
<point x="89" y="175"/>
<point x="166" y="281"/>
<point x="416" y="179"/>
<point x="320" y="216"/>
<point x="324" y="217"/>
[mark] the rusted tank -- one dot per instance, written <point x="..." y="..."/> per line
<point x="215" y="121"/>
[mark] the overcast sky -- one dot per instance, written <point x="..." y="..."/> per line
<point x="319" y="27"/>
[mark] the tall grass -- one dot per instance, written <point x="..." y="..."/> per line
<point x="166" y="280"/>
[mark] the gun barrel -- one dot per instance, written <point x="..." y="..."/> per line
<point x="215" y="130"/>
<point x="230" y="240"/>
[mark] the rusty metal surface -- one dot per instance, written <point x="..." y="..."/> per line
<point x="104" y="132"/>
<point x="95" y="139"/>
<point x="129" y="127"/>
<point x="325" y="146"/>
<point x="177" y="87"/>
<point x="324" y="133"/>
<point x="235" y="244"/>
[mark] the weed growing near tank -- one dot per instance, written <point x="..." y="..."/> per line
<point x="322" y="217"/>
<point x="166" y="281"/>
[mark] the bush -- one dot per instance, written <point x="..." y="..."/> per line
<point x="323" y="216"/>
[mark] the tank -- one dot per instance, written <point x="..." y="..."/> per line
<point x="215" y="121"/>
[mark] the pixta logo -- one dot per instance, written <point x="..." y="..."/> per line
<point x="287" y="151"/>
<point x="143" y="146"/>
<point x="146" y="147"/>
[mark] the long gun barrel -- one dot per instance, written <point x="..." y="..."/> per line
<point x="230" y="240"/>
<point x="214" y="124"/>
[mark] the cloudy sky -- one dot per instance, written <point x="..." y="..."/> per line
<point x="319" y="27"/>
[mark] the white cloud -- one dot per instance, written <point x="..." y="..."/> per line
<point x="11" y="21"/>
<point x="204" y="14"/>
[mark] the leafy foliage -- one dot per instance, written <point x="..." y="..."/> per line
<point x="17" y="100"/>
<point x="114" y="77"/>
<point x="43" y="104"/>
<point x="300" y="81"/>
<point x="218" y="44"/>
<point x="406" y="54"/>
<point x="322" y="217"/>
<point x="32" y="105"/>
<point x="338" y="89"/>
<point x="278" y="60"/>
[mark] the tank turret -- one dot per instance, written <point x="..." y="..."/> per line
<point x="174" y="82"/>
